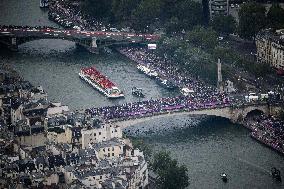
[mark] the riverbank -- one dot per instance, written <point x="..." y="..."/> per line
<point x="267" y="130"/>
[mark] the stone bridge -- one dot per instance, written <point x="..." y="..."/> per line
<point x="235" y="114"/>
<point x="11" y="37"/>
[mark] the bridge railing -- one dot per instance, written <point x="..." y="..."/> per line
<point x="142" y="113"/>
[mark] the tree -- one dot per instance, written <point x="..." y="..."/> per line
<point x="122" y="9"/>
<point x="205" y="38"/>
<point x="139" y="143"/>
<point x="189" y="56"/>
<point x="275" y="17"/>
<point x="189" y="13"/>
<point x="228" y="55"/>
<point x="251" y="19"/>
<point x="145" y="14"/>
<point x="224" y="24"/>
<point x="170" y="174"/>
<point x="168" y="9"/>
<point x="168" y="45"/>
<point x="173" y="25"/>
<point x="99" y="9"/>
<point x="205" y="11"/>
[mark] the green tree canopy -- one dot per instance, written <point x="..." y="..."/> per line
<point x="123" y="9"/>
<point x="99" y="9"/>
<point x="275" y="17"/>
<point x="190" y="56"/>
<point x="224" y="24"/>
<point x="170" y="174"/>
<point x="251" y="19"/>
<point x="180" y="15"/>
<point x="205" y="38"/>
<point x="168" y="9"/>
<point x="189" y="13"/>
<point x="139" y="143"/>
<point x="145" y="14"/>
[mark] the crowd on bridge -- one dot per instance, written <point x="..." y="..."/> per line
<point x="159" y="106"/>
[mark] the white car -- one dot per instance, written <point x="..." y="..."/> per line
<point x="114" y="30"/>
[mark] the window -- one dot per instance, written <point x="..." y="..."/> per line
<point x="100" y="133"/>
<point x="112" y="154"/>
<point x="108" y="155"/>
<point x="112" y="148"/>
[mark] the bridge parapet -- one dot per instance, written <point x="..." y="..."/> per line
<point x="88" y="39"/>
<point x="233" y="113"/>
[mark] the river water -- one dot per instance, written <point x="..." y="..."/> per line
<point x="207" y="146"/>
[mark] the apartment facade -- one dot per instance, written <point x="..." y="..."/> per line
<point x="218" y="7"/>
<point x="270" y="48"/>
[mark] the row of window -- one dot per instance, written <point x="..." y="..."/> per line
<point x="109" y="149"/>
<point x="108" y="155"/>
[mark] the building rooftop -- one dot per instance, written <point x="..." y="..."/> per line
<point x="109" y="143"/>
<point x="268" y="34"/>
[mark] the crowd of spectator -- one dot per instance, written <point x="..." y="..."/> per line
<point x="268" y="130"/>
<point x="159" y="106"/>
<point x="168" y="70"/>
<point x="69" y="15"/>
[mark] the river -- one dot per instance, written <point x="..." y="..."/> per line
<point x="207" y="146"/>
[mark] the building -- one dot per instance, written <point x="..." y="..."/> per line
<point x="99" y="133"/>
<point x="44" y="145"/>
<point x="270" y="48"/>
<point x="218" y="7"/>
<point x="118" y="172"/>
<point x="229" y="87"/>
<point x="109" y="149"/>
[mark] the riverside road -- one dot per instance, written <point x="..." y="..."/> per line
<point x="206" y="146"/>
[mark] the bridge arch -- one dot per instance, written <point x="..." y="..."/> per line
<point x="224" y="113"/>
<point x="255" y="111"/>
<point x="234" y="114"/>
<point x="250" y="110"/>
